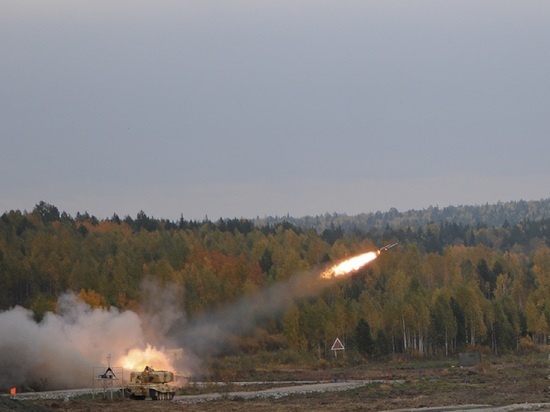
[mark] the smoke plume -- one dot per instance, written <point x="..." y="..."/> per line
<point x="62" y="350"/>
<point x="65" y="348"/>
<point x="209" y="333"/>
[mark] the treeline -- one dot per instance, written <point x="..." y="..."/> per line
<point x="489" y="215"/>
<point x="448" y="286"/>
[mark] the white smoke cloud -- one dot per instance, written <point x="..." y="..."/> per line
<point x="161" y="310"/>
<point x="62" y="350"/>
<point x="65" y="349"/>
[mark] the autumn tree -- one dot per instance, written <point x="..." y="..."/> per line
<point x="365" y="342"/>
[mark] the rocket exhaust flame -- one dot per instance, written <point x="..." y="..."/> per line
<point x="349" y="265"/>
<point x="354" y="263"/>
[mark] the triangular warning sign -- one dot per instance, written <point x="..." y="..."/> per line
<point x="337" y="345"/>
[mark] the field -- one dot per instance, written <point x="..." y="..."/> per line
<point x="399" y="385"/>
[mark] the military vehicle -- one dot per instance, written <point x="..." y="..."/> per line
<point x="150" y="383"/>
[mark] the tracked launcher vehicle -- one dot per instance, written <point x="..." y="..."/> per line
<point x="150" y="383"/>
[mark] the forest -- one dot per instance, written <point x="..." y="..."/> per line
<point x="451" y="284"/>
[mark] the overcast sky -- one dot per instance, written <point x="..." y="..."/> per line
<point x="256" y="108"/>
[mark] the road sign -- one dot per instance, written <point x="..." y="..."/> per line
<point x="337" y="345"/>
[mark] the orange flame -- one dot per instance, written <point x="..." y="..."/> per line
<point x="350" y="265"/>
<point x="137" y="359"/>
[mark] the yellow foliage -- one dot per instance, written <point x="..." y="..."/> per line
<point x="92" y="298"/>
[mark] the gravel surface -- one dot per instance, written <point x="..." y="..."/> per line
<point x="274" y="392"/>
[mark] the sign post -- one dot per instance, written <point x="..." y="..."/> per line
<point x="336" y="346"/>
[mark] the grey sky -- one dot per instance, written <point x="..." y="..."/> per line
<point x="254" y="108"/>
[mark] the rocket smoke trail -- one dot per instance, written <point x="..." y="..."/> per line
<point x="208" y="333"/>
<point x="61" y="351"/>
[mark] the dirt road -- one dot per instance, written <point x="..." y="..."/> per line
<point x="275" y="392"/>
